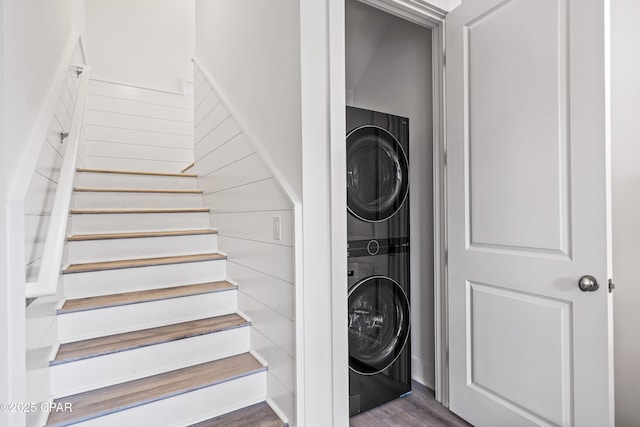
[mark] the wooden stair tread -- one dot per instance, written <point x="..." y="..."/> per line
<point x="84" y="237"/>
<point x="134" y="190"/>
<point x="104" y="301"/>
<point x="122" y="396"/>
<point x="136" y="211"/>
<point x="258" y="415"/>
<point x="123" y="172"/>
<point x="144" y="262"/>
<point x="94" y="347"/>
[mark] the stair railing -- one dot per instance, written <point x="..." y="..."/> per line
<point x="48" y="276"/>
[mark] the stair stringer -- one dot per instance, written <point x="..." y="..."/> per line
<point x="255" y="214"/>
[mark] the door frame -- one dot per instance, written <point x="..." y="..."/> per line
<point x="432" y="18"/>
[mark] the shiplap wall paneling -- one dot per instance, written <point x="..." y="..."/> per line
<point x="131" y="128"/>
<point x="244" y="198"/>
<point x="41" y="325"/>
<point x="44" y="181"/>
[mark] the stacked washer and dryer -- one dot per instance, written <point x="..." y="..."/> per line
<point x="378" y="258"/>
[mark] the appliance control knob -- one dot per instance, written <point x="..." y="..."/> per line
<point x="373" y="247"/>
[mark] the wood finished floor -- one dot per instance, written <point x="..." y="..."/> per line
<point x="258" y="415"/>
<point x="419" y="409"/>
<point x="143" y="262"/>
<point x="94" y="347"/>
<point x="118" y="397"/>
<point x="136" y="235"/>
<point x="112" y="300"/>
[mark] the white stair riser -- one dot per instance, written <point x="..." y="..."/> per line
<point x="128" y="223"/>
<point x="113" y="180"/>
<point x="187" y="408"/>
<point x="122" y="200"/>
<point x="126" y="318"/>
<point x="95" y="283"/>
<point x="150" y="247"/>
<point x="102" y="371"/>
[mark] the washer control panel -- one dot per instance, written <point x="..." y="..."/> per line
<point x="360" y="248"/>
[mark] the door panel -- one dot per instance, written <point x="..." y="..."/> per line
<point x="517" y="149"/>
<point x="524" y="364"/>
<point x="528" y="213"/>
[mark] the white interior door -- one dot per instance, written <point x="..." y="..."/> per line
<point x="527" y="173"/>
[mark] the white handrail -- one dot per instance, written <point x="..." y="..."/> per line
<point x="49" y="273"/>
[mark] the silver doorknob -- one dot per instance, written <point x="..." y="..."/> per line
<point x="588" y="284"/>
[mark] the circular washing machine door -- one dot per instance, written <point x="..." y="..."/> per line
<point x="377" y="174"/>
<point x="378" y="324"/>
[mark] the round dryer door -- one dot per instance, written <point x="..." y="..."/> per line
<point x="377" y="174"/>
<point x="378" y="324"/>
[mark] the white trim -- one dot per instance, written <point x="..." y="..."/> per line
<point x="609" y="201"/>
<point x="431" y="17"/>
<point x="243" y="314"/>
<point x="441" y="330"/>
<point x="417" y="11"/>
<point x="298" y="230"/>
<point x="83" y="51"/>
<point x="262" y="151"/>
<point x="233" y="282"/>
<point x="48" y="276"/>
<point x="259" y="358"/>
<point x="338" y="192"/>
<point x="419" y="372"/>
<point x="43" y="416"/>
<point x="324" y="372"/>
<point x="299" y="315"/>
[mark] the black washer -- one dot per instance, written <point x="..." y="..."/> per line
<point x="378" y="324"/>
<point x="377" y="174"/>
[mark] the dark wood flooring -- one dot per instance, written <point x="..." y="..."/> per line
<point x="419" y="409"/>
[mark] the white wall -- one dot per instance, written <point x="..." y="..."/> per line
<point x="244" y="198"/>
<point x="397" y="80"/>
<point x="626" y="208"/>
<point x="36" y="33"/>
<point x="130" y="128"/>
<point x="5" y="295"/>
<point x="252" y="49"/>
<point x="147" y="43"/>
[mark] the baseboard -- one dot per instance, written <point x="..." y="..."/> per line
<point x="243" y="315"/>
<point x="279" y="412"/>
<point x="422" y="371"/>
<point x="259" y="357"/>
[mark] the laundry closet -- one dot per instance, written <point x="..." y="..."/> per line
<point x="388" y="80"/>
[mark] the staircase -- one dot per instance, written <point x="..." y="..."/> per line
<point x="149" y="331"/>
